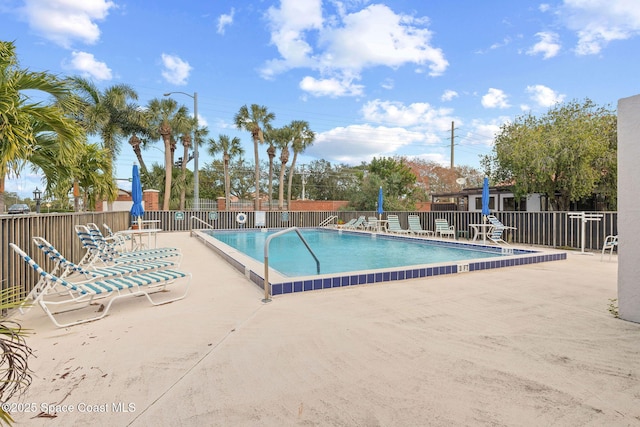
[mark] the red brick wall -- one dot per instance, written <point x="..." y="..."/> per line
<point x="318" y="205"/>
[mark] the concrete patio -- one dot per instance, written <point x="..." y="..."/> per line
<point x="528" y="345"/>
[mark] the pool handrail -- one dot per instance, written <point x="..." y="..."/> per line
<point x="199" y="220"/>
<point x="266" y="257"/>
<point x="327" y="220"/>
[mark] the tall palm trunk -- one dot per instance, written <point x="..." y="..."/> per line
<point x="256" y="139"/>
<point x="135" y="144"/>
<point x="271" y="152"/>
<point x="186" y="142"/>
<point x="291" y="172"/>
<point x="227" y="181"/>
<point x="284" y="158"/>
<point x="165" y="132"/>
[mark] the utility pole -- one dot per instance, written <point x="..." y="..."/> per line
<point x="304" y="180"/>
<point x="452" y="139"/>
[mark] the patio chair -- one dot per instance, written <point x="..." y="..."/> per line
<point x="416" y="228"/>
<point x="371" y="223"/>
<point x="444" y="229"/>
<point x="498" y="226"/>
<point x="101" y="253"/>
<point x="357" y="224"/>
<point x="349" y="223"/>
<point x="393" y="225"/>
<point x="495" y="235"/>
<point x="84" y="294"/>
<point x="610" y="243"/>
<point x="74" y="273"/>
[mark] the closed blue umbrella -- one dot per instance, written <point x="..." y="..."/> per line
<point x="136" y="194"/>
<point x="485" y="197"/>
<point x="380" y="200"/>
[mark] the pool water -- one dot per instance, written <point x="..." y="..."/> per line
<point x="345" y="252"/>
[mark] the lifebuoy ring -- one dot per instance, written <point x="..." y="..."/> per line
<point x="241" y="218"/>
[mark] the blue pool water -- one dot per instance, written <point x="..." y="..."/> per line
<point x="345" y="252"/>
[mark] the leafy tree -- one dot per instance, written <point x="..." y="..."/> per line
<point x="255" y="120"/>
<point x="432" y="177"/>
<point x="23" y="120"/>
<point x="397" y="181"/>
<point x="567" y="154"/>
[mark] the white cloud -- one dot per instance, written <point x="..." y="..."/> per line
<point x="544" y="96"/>
<point x="88" y="66"/>
<point x="344" y="44"/>
<point x="388" y="84"/>
<point x="598" y="22"/>
<point x="544" y="7"/>
<point x="419" y="114"/>
<point x="495" y="98"/>
<point x="224" y="20"/>
<point x="330" y="87"/>
<point x="548" y="45"/>
<point x="360" y="143"/>
<point x="176" y="71"/>
<point x="448" y="95"/>
<point x="64" y="21"/>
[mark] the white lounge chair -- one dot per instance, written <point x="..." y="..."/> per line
<point x="84" y="294"/>
<point x="444" y="229"/>
<point x="610" y="243"/>
<point x="498" y="229"/>
<point x="393" y="225"/>
<point x="416" y="228"/>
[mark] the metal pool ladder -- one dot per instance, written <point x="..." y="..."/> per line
<point x="266" y="257"/>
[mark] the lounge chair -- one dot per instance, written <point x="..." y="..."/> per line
<point x="84" y="294"/>
<point x="357" y="224"/>
<point x="349" y="223"/>
<point x="416" y="228"/>
<point x="610" y="243"/>
<point x="393" y="225"/>
<point x="371" y="223"/>
<point x="498" y="229"/>
<point x="444" y="229"/>
<point x="76" y="274"/>
<point x="102" y="253"/>
<point x="495" y="235"/>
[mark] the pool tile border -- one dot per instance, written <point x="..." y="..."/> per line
<point x="296" y="285"/>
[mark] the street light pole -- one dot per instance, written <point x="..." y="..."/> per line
<point x="196" y="178"/>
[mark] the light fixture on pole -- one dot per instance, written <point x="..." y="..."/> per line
<point x="37" y="196"/>
<point x="196" y="179"/>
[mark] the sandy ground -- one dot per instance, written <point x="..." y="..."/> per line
<point x="531" y="345"/>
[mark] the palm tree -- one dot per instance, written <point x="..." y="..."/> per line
<point x="164" y="118"/>
<point x="21" y="118"/>
<point x="230" y="149"/>
<point x="108" y="114"/>
<point x="270" y="136"/>
<point x="302" y="138"/>
<point x="135" y="143"/>
<point x="285" y="135"/>
<point x="255" y="120"/>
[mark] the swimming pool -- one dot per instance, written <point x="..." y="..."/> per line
<point x="350" y="258"/>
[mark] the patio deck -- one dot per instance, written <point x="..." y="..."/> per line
<point x="527" y="345"/>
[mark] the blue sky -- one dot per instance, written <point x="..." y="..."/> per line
<point x="372" y="78"/>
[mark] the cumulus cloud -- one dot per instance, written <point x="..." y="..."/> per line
<point x="448" y="95"/>
<point x="361" y="143"/>
<point x="88" y="66"/>
<point x="548" y="45"/>
<point x="419" y="114"/>
<point x="65" y="21"/>
<point x="225" y="20"/>
<point x="175" y="70"/>
<point x="495" y="98"/>
<point x="544" y="96"/>
<point x="330" y="87"/>
<point x="599" y="22"/>
<point x="345" y="43"/>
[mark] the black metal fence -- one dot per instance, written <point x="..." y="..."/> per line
<point x="554" y="229"/>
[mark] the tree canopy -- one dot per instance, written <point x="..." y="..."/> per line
<point x="567" y="154"/>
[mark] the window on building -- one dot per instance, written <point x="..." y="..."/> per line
<point x="492" y="203"/>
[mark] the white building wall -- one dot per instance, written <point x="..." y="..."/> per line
<point x="629" y="208"/>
